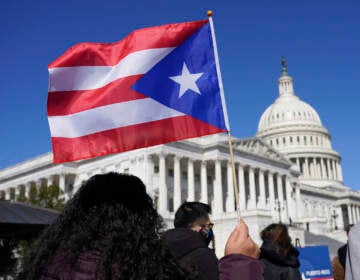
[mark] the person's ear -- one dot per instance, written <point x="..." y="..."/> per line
<point x="196" y="228"/>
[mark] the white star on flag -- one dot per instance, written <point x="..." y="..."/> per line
<point x="187" y="81"/>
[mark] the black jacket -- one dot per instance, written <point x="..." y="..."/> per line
<point x="342" y="255"/>
<point x="192" y="253"/>
<point x="277" y="265"/>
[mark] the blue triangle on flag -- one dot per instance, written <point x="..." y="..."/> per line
<point x="197" y="53"/>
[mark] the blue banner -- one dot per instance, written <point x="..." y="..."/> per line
<point x="315" y="263"/>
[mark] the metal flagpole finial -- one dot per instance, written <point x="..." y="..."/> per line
<point x="209" y="13"/>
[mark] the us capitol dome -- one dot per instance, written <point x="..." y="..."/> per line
<point x="294" y="128"/>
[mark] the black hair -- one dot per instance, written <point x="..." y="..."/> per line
<point x="279" y="235"/>
<point x="348" y="228"/>
<point x="189" y="212"/>
<point x="113" y="215"/>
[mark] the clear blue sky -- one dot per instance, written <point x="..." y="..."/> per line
<point x="320" y="39"/>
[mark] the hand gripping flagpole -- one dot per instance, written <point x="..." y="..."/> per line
<point x="236" y="190"/>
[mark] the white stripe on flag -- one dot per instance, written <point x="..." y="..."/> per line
<point x="93" y="77"/>
<point x="110" y="117"/>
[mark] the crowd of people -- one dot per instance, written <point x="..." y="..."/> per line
<point x="110" y="229"/>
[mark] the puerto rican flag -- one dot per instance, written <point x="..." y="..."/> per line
<point x="157" y="85"/>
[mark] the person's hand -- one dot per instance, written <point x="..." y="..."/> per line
<point x="239" y="242"/>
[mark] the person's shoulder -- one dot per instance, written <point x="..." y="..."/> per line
<point x="233" y="265"/>
<point x="342" y="249"/>
<point x="202" y="253"/>
<point x="354" y="235"/>
<point x="62" y="265"/>
<point x="355" y="228"/>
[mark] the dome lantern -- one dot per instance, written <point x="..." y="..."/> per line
<point x="285" y="82"/>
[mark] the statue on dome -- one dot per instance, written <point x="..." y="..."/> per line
<point x="284" y="66"/>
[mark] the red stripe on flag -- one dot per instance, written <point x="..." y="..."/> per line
<point x="129" y="138"/>
<point x="70" y="102"/>
<point x="97" y="54"/>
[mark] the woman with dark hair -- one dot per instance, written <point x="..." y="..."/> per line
<point x="108" y="230"/>
<point x="279" y="256"/>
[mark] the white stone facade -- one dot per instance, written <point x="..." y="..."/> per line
<point x="287" y="173"/>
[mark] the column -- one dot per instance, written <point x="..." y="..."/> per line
<point x="27" y="189"/>
<point x="204" y="184"/>
<point x="50" y="180"/>
<point x="230" y="202"/>
<point x="318" y="160"/>
<point x="298" y="201"/>
<point x="17" y="192"/>
<point x="262" y="202"/>
<point x="306" y="167"/>
<point x="289" y="201"/>
<point x="280" y="196"/>
<point x="350" y="217"/>
<point x="8" y="194"/>
<point x="316" y="171"/>
<point x="328" y="168"/>
<point x="271" y="191"/>
<point x="298" y="163"/>
<point x="339" y="172"/>
<point x="163" y="200"/>
<point x="191" y="181"/>
<point x="61" y="182"/>
<point x="77" y="184"/>
<point x="323" y="169"/>
<point x="353" y="214"/>
<point x="149" y="171"/>
<point x="38" y="184"/>
<point x="252" y="202"/>
<point x="177" y="183"/>
<point x="333" y="169"/>
<point x="218" y="194"/>
<point x="317" y="165"/>
<point x="311" y="167"/>
<point x="242" y="193"/>
<point x="279" y="188"/>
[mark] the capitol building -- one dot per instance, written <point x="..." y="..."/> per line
<point x="288" y="172"/>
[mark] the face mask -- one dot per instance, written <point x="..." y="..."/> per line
<point x="208" y="234"/>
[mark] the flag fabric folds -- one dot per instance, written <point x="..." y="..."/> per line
<point x="156" y="85"/>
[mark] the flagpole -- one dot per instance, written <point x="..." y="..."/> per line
<point x="235" y="185"/>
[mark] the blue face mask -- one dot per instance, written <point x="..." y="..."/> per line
<point x="208" y="234"/>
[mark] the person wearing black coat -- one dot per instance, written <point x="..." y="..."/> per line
<point x="280" y="258"/>
<point x="189" y="244"/>
<point x="192" y="252"/>
<point x="190" y="238"/>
